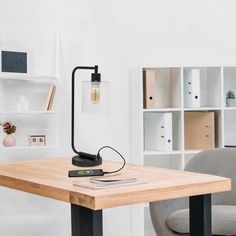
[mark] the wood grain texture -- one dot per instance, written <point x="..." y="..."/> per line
<point x="49" y="178"/>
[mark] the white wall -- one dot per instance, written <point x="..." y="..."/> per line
<point x="117" y="34"/>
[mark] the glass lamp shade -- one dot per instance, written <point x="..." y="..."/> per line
<point x="96" y="97"/>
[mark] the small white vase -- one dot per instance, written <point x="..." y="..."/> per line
<point x="9" y="141"/>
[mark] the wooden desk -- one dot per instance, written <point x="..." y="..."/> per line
<point x="48" y="178"/>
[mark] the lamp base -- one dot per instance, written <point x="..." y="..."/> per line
<point x="86" y="162"/>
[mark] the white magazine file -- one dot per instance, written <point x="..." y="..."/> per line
<point x="158" y="131"/>
<point x="192" y="88"/>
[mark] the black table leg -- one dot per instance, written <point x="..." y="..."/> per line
<point x="200" y="215"/>
<point x="85" y="222"/>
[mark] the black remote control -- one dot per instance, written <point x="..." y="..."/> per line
<point x="85" y="173"/>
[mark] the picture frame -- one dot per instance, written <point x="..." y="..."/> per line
<point x="14" y="62"/>
<point x="37" y="140"/>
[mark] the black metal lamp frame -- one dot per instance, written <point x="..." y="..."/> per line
<point x="82" y="159"/>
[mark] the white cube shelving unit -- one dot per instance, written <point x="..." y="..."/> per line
<point x="215" y="81"/>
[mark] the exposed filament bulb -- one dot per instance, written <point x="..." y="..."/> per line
<point x="95" y="93"/>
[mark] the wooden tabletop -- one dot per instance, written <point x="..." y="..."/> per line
<point x="49" y="178"/>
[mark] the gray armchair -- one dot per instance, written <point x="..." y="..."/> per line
<point x="170" y="218"/>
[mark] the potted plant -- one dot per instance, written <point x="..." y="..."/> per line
<point x="230" y="99"/>
<point x="9" y="129"/>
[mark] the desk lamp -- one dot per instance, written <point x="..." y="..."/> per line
<point x="95" y="99"/>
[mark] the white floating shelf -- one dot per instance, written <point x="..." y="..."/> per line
<point x="203" y="109"/>
<point x="161" y="109"/>
<point x="35" y="79"/>
<point x="153" y="153"/>
<point x="27" y="112"/>
<point x="26" y="148"/>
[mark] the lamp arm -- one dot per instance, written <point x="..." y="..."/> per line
<point x="95" y="68"/>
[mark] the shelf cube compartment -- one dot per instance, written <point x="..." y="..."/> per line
<point x="230" y="128"/>
<point x="202" y="130"/>
<point x="36" y="97"/>
<point x="158" y="131"/>
<point x="161" y="88"/>
<point x="229" y="83"/>
<point x="32" y="125"/>
<point x="174" y="162"/>
<point x="202" y="87"/>
<point x="199" y="130"/>
<point x="162" y="131"/>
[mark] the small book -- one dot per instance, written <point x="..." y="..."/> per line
<point x="50" y="97"/>
<point x="108" y="181"/>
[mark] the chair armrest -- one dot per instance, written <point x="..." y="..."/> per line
<point x="161" y="210"/>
